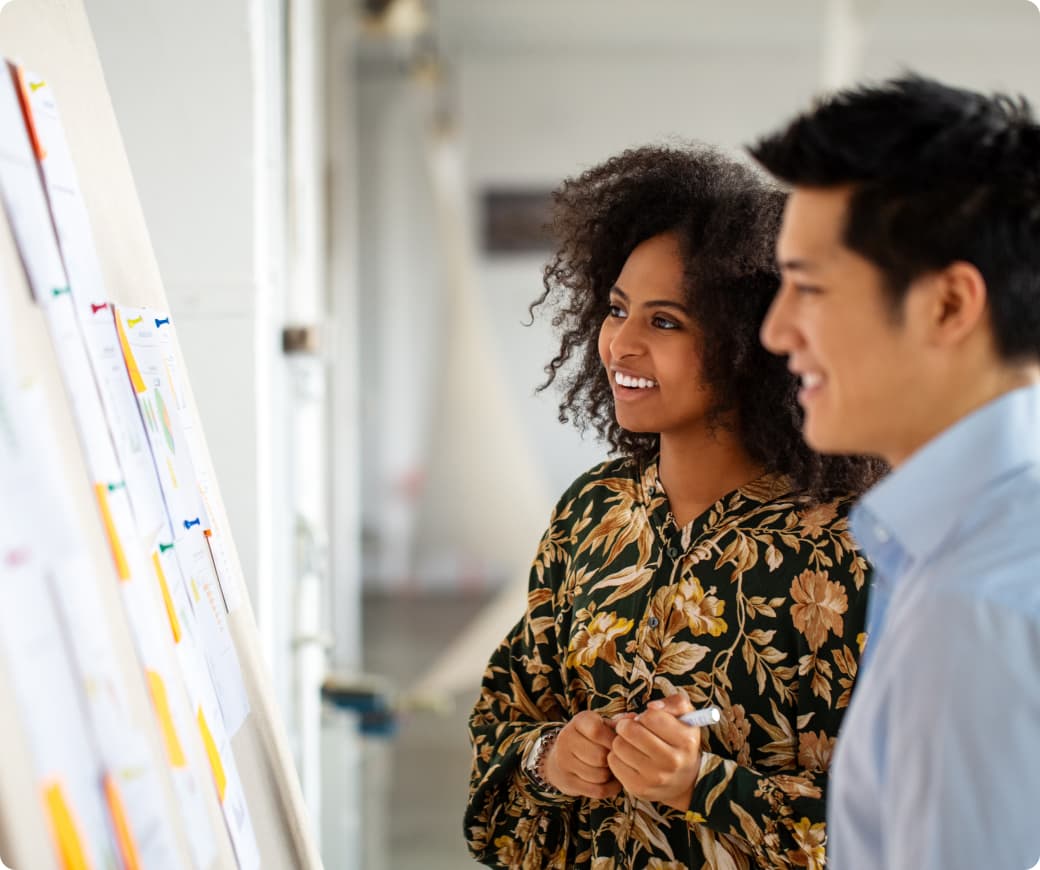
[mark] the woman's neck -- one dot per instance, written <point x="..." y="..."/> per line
<point x="697" y="470"/>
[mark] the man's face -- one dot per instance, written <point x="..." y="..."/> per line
<point x="859" y="357"/>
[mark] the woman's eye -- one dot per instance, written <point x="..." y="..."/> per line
<point x="616" y="311"/>
<point x="806" y="289"/>
<point x="664" y="322"/>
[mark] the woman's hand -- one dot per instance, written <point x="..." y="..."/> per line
<point x="655" y="756"/>
<point x="577" y="760"/>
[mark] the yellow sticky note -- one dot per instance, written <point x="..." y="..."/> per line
<point x="63" y="826"/>
<point x="118" y="554"/>
<point x="128" y="357"/>
<point x="124" y="837"/>
<point x="171" y="611"/>
<point x="219" y="777"/>
<point x="174" y="750"/>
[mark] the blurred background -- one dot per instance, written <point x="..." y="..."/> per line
<point x="346" y="200"/>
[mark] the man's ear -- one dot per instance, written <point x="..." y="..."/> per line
<point x="957" y="302"/>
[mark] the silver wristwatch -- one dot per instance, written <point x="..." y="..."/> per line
<point x="534" y="766"/>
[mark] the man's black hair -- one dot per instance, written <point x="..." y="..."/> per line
<point x="938" y="174"/>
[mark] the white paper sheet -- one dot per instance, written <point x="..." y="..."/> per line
<point x="23" y="198"/>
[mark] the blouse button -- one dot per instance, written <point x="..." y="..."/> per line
<point x="653" y="622"/>
<point x="673" y="552"/>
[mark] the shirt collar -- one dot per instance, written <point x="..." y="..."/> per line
<point x="909" y="513"/>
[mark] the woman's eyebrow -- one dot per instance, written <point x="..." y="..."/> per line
<point x="655" y="303"/>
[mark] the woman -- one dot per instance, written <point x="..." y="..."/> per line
<point x="710" y="563"/>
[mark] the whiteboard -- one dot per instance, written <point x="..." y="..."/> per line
<point x="53" y="38"/>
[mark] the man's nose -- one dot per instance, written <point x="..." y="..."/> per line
<point x="776" y="333"/>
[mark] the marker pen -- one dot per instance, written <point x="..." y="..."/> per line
<point x="702" y="718"/>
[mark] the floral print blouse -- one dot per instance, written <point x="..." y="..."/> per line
<point x="756" y="606"/>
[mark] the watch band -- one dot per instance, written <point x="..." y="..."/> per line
<point x="534" y="767"/>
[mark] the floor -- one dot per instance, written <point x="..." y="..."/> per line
<point x="427" y="762"/>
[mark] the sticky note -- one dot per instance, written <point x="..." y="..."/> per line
<point x="219" y="777"/>
<point x="63" y="825"/>
<point x="174" y="750"/>
<point x="171" y="611"/>
<point x="118" y="554"/>
<point x="125" y="839"/>
<point x="131" y="363"/>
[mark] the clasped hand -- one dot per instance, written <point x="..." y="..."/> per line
<point x="652" y="756"/>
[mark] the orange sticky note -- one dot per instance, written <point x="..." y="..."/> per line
<point x="128" y="357"/>
<point x="125" y="839"/>
<point x="219" y="777"/>
<point x="30" y="120"/>
<point x="171" y="611"/>
<point x="63" y="826"/>
<point x="118" y="554"/>
<point x="162" y="709"/>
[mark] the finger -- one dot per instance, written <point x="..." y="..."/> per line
<point x="588" y="775"/>
<point x="627" y="774"/>
<point x="669" y="729"/>
<point x="602" y="792"/>
<point x="594" y="728"/>
<point x="644" y="742"/>
<point x="592" y="754"/>
<point x="676" y="704"/>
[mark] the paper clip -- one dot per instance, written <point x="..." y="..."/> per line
<point x="134" y="321"/>
<point x="164" y="547"/>
<point x="164" y="322"/>
<point x="94" y="309"/>
<point x="195" y="522"/>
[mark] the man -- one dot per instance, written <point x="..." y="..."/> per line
<point x="910" y="307"/>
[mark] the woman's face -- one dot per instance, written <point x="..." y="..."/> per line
<point x="650" y="345"/>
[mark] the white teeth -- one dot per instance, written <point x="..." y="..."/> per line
<point x="811" y="379"/>
<point x="635" y="383"/>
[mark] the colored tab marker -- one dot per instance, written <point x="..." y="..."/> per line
<point x="94" y="309"/>
<point x="195" y="522"/>
<point x="35" y="86"/>
<point x="26" y="104"/>
<point x="118" y="553"/>
<point x="133" y="321"/>
<point x="164" y="588"/>
<point x="125" y="839"/>
<point x="165" y="547"/>
<point x="164" y="322"/>
<point x="60" y="291"/>
<point x="128" y="357"/>
<point x="63" y="826"/>
<point x="174" y="750"/>
<point x="115" y="487"/>
<point x="219" y="777"/>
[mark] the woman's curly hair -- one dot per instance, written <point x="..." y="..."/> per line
<point x="726" y="219"/>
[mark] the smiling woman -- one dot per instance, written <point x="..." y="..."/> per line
<point x="709" y="563"/>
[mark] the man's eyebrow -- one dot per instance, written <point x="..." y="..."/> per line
<point x="655" y="303"/>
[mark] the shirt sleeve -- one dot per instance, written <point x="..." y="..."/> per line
<point x="961" y="779"/>
<point x="509" y="822"/>
<point x="780" y="816"/>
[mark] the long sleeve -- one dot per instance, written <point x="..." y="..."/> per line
<point x="509" y="822"/>
<point x="777" y="807"/>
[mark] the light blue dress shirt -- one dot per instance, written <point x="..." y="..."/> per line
<point x="937" y="765"/>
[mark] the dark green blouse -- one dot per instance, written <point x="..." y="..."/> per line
<point x="757" y="606"/>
